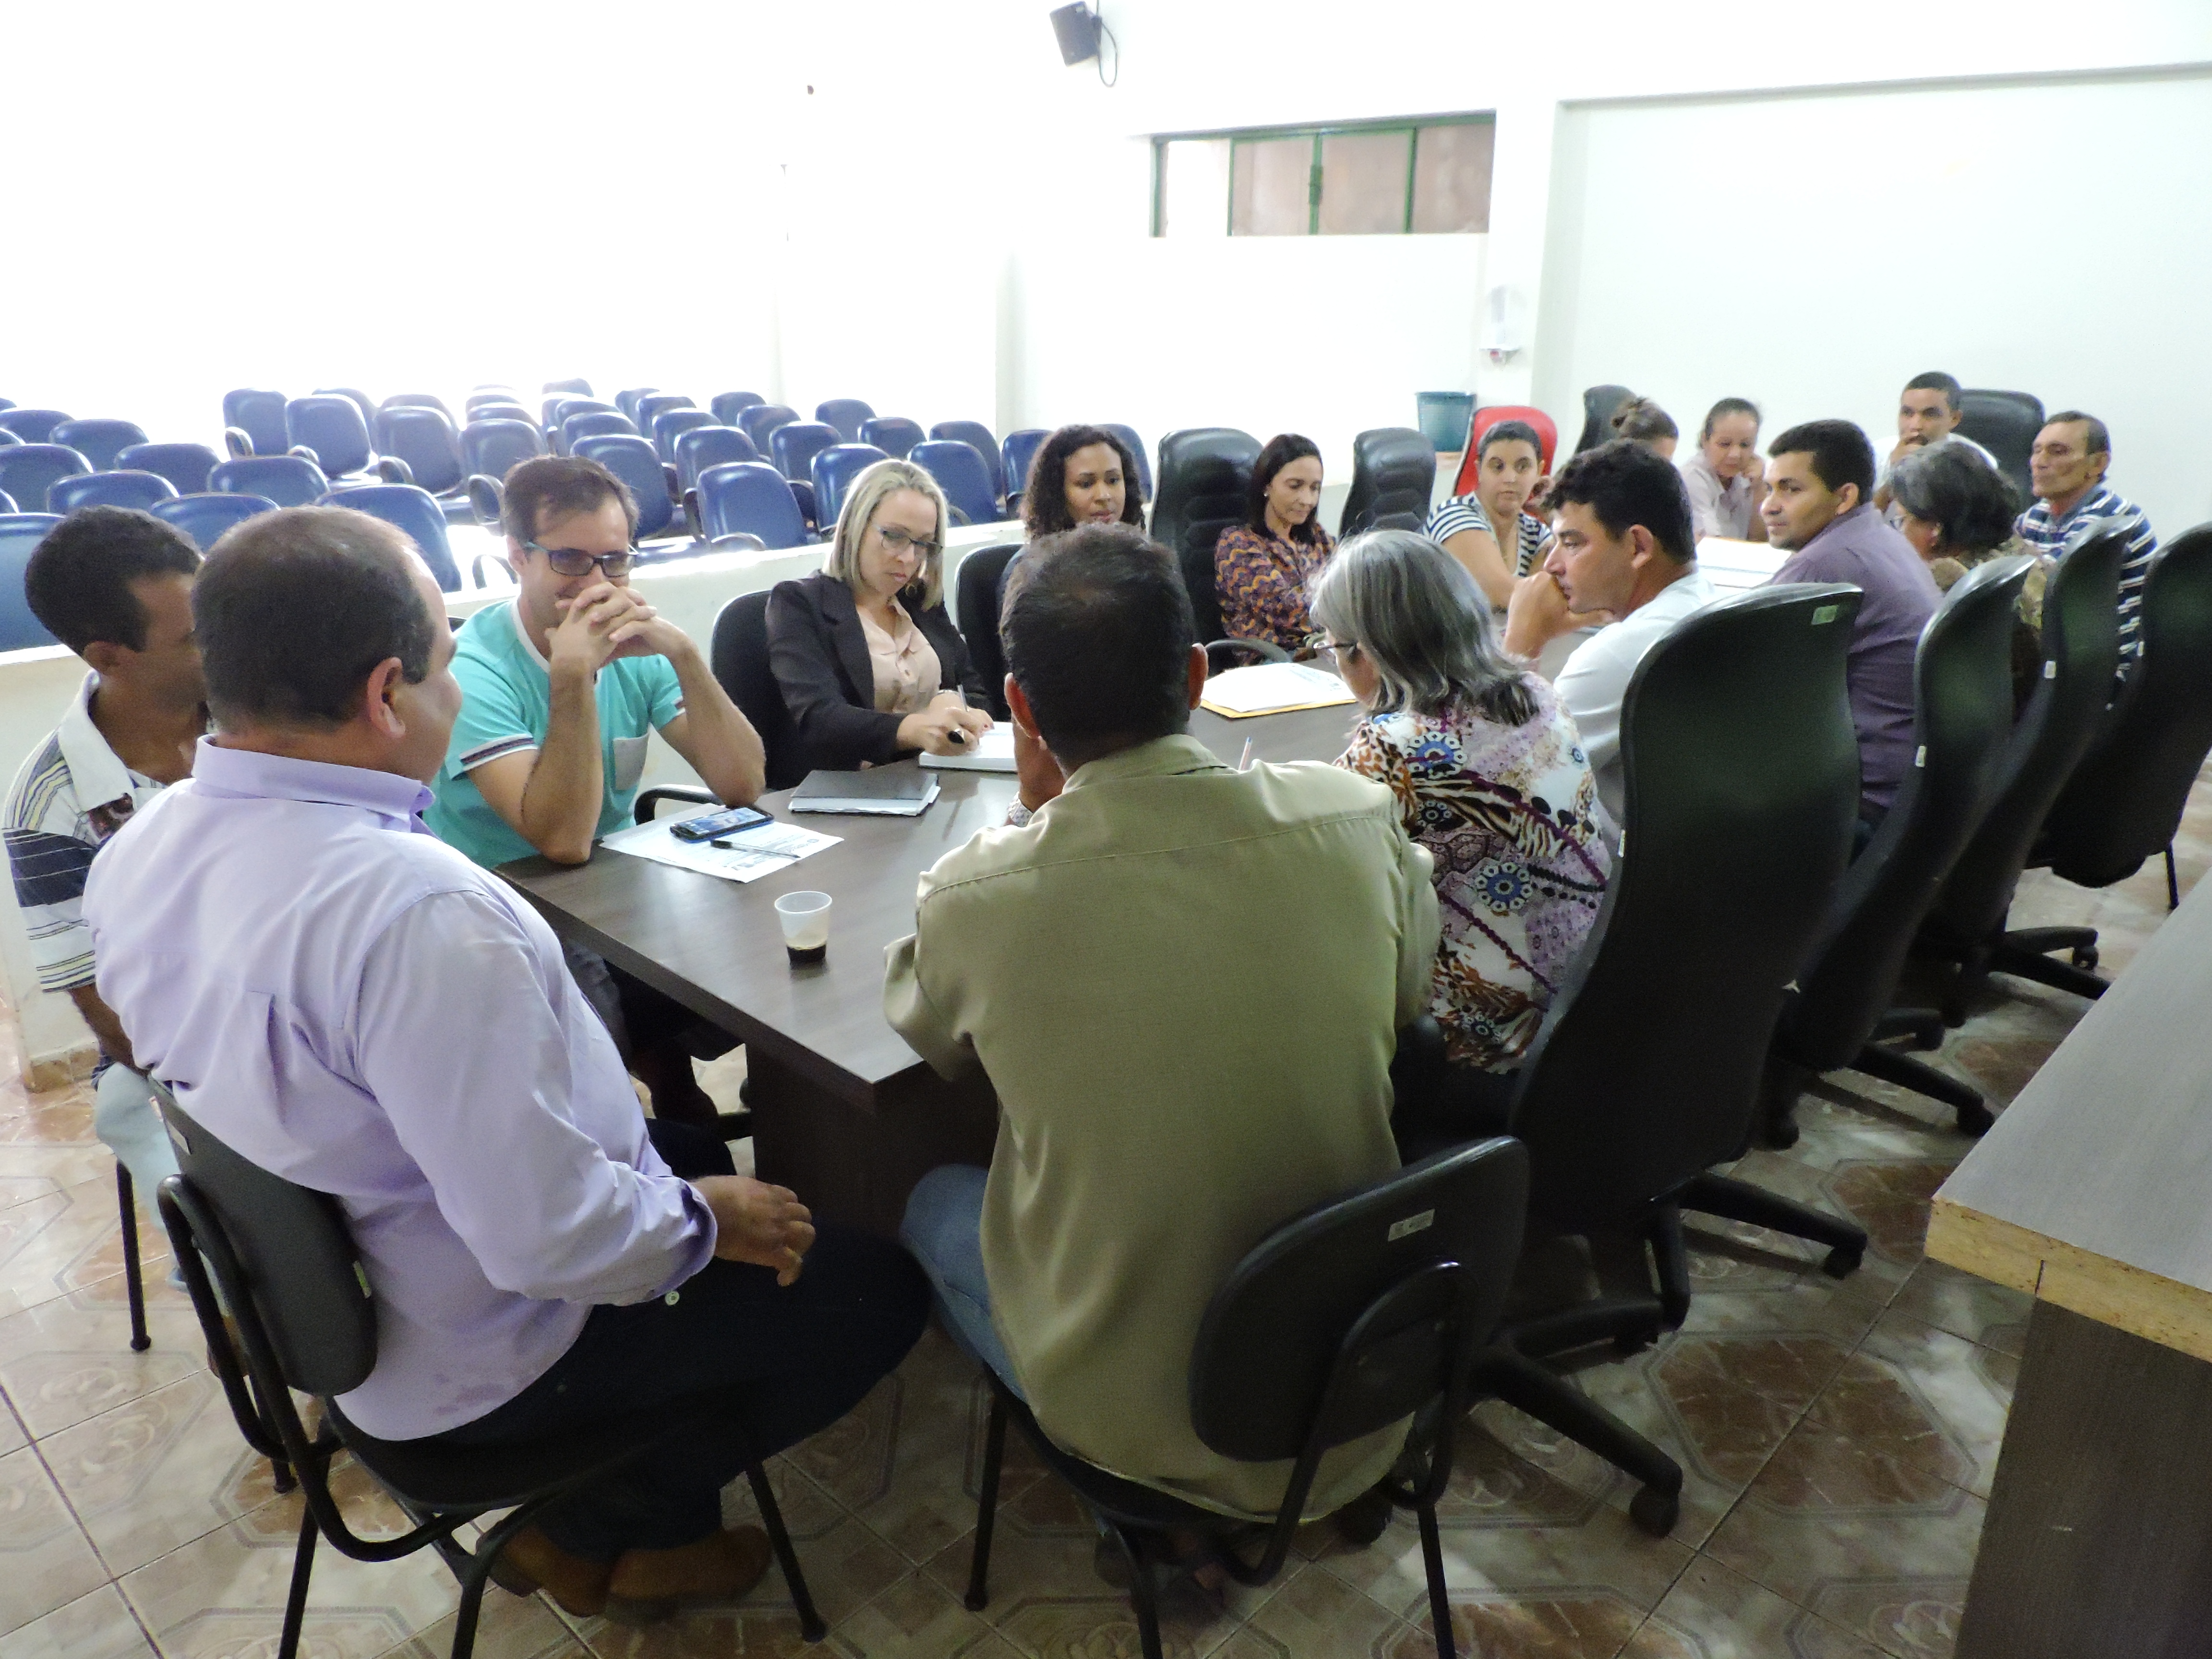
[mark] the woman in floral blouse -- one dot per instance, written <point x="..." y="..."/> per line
<point x="1262" y="567"/>
<point x="1490" y="774"/>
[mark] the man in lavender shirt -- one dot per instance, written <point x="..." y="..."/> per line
<point x="1819" y="506"/>
<point x="352" y="1005"/>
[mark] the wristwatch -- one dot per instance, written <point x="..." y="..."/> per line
<point x="1018" y="815"/>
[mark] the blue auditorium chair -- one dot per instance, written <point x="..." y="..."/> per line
<point x="123" y="489"/>
<point x="728" y="405"/>
<point x="100" y="441"/>
<point x="626" y="400"/>
<point x="749" y="498"/>
<point x="185" y="465"/>
<point x="959" y="468"/>
<point x="483" y="396"/>
<point x="7" y="503"/>
<point x="413" y="511"/>
<point x="761" y="419"/>
<point x="501" y="411"/>
<point x="28" y="470"/>
<point x="354" y="395"/>
<point x="18" y="533"/>
<point x="286" y="480"/>
<point x="894" y="434"/>
<point x="658" y="402"/>
<point x="8" y="437"/>
<point x="204" y="518"/>
<point x="559" y="407"/>
<point x="631" y="459"/>
<point x="672" y="423"/>
<point x="493" y="448"/>
<point x="261" y="417"/>
<point x="703" y="446"/>
<point x="834" y="468"/>
<point x="414" y="400"/>
<point x="33" y="426"/>
<point x="580" y="388"/>
<point x="978" y="437"/>
<point x="1015" y="453"/>
<point x="417" y="445"/>
<point x="333" y="428"/>
<point x="1128" y="435"/>
<point x="794" y="446"/>
<point x="591" y="423"/>
<point x="846" y="414"/>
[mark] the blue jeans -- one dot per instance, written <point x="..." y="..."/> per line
<point x="943" y="1228"/>
<point x="123" y="1117"/>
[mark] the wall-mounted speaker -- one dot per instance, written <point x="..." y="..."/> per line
<point x="1077" y="27"/>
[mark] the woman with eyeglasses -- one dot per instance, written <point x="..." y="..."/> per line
<point x="1491" y="778"/>
<point x="870" y="665"/>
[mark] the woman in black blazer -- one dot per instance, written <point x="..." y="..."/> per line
<point x="869" y="662"/>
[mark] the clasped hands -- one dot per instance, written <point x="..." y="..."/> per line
<point x="603" y="621"/>
<point x="755" y="1222"/>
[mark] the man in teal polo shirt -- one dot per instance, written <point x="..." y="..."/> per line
<point x="562" y="689"/>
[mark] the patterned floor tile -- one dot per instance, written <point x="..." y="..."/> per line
<point x="1965" y="1389"/>
<point x="45" y="1560"/>
<point x="65" y="1360"/>
<point x="507" y="1627"/>
<point x="64" y="1242"/>
<point x="1965" y="1304"/>
<point x="1316" y="1615"/>
<point x="29" y="1169"/>
<point x="1714" y="1613"/>
<point x="95" y="1626"/>
<point x="12" y="1433"/>
<point x="918" y="1618"/>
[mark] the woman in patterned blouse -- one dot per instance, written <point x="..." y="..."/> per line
<point x="1507" y="465"/>
<point x="1490" y="775"/>
<point x="1262" y="567"/>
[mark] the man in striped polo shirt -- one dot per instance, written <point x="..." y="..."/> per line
<point x="2067" y="466"/>
<point x="115" y="586"/>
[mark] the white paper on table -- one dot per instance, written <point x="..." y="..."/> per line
<point x="992" y="752"/>
<point x="1273" y="688"/>
<point x="760" y="851"/>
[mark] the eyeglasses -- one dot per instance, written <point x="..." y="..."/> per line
<point x="1336" y="649"/>
<point x="898" y="540"/>
<point x="574" y="561"/>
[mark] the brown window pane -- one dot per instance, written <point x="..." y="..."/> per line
<point x="1195" y="187"/>
<point x="1451" y="177"/>
<point x="1363" y="183"/>
<point x="1269" y="188"/>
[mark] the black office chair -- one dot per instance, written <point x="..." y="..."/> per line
<point x="1361" y="1313"/>
<point x="1600" y="404"/>
<point x="2004" y="423"/>
<point x="305" y="1319"/>
<point x="1205" y="474"/>
<point x="2124" y="801"/>
<point x="1393" y="474"/>
<point x="737" y="653"/>
<point x="1965" y="925"/>
<point x="976" y="609"/>
<point x="1739" y="756"/>
<point x="1839" y="1010"/>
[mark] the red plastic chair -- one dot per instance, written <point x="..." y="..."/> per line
<point x="1486" y="418"/>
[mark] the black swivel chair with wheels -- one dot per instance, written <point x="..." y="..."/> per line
<point x="1363" y="1312"/>
<point x="1600" y="404"/>
<point x="737" y="653"/>
<point x="286" y="1271"/>
<point x="2004" y="423"/>
<point x="976" y="609"/>
<point x="1393" y="474"/>
<point x="2124" y="801"/>
<point x="1739" y="757"/>
<point x="1839" y="1010"/>
<point x="1966" y="923"/>
<point x="1204" y="475"/>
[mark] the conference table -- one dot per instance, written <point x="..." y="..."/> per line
<point x="2093" y="1195"/>
<point x="843" y="1111"/>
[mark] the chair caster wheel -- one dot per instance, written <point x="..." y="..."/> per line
<point x="1975" y="1119"/>
<point x="1629" y="1344"/>
<point x="2085" y="956"/>
<point x="1843" y="1261"/>
<point x="1655" y="1511"/>
<point x="1779" y="1134"/>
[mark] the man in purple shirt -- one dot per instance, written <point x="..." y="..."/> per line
<point x="353" y="1005"/>
<point x="1818" y="507"/>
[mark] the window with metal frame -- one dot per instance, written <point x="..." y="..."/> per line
<point x="1426" y="176"/>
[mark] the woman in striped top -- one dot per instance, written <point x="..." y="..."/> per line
<point x="1507" y="465"/>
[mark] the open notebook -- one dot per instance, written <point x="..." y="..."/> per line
<point x="1272" y="688"/>
<point x="994" y="752"/>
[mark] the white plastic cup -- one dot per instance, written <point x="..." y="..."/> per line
<point x="805" y="920"/>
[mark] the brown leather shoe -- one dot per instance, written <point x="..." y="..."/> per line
<point x="650" y="1585"/>
<point x="532" y="1562"/>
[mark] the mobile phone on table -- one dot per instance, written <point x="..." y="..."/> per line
<point x="705" y="826"/>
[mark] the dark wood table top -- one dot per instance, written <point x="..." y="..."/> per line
<point x="2092" y="1190"/>
<point x="714" y="945"/>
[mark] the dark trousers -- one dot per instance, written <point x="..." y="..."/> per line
<point x="789" y="1361"/>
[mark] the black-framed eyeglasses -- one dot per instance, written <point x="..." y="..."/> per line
<point x="897" y="539"/>
<point x="574" y="561"/>
<point x="1336" y="649"/>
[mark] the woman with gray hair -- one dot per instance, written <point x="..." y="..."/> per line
<point x="1958" y="511"/>
<point x="1491" y="778"/>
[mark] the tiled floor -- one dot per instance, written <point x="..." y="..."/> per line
<point x="1838" y="1441"/>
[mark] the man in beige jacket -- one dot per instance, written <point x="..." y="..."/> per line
<point x="1185" y="983"/>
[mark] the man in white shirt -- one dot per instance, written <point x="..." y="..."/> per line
<point x="1928" y="410"/>
<point x="1622" y="543"/>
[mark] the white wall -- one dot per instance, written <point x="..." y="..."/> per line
<point x="1866" y="236"/>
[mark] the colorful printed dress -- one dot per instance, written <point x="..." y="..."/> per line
<point x="1261" y="581"/>
<point x="1510" y="815"/>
